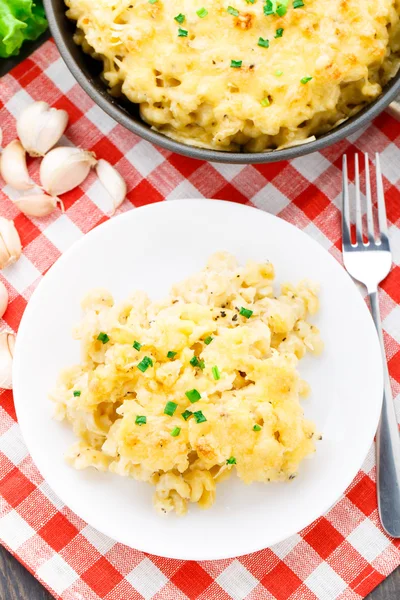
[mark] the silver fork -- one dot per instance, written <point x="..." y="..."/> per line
<point x="370" y="263"/>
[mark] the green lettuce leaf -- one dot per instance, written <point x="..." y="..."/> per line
<point x="20" y="20"/>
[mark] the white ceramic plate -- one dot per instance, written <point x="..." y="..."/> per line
<point x="150" y="248"/>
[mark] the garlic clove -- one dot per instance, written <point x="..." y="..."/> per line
<point x="112" y="181"/>
<point x="10" y="246"/>
<point x="40" y="127"/>
<point x="39" y="205"/>
<point x="13" y="167"/>
<point x="64" y="168"/>
<point x="3" y="299"/>
<point x="7" y="342"/>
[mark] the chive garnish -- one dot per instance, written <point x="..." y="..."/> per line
<point x="264" y="102"/>
<point x="199" y="417"/>
<point x="236" y="64"/>
<point x="279" y="32"/>
<point x="194" y="361"/>
<point x="182" y="32"/>
<point x="171" y="354"/>
<point x="246" y="312"/>
<point x="77" y="393"/>
<point x="136" y="345"/>
<point x="144" y="364"/>
<point x="232" y="11"/>
<point x="262" y="42"/>
<point x="170" y="408"/>
<point x="216" y="373"/>
<point x="306" y="79"/>
<point x="298" y="3"/>
<point x="257" y="427"/>
<point x="103" y="337"/>
<point x="187" y="414"/>
<point x="141" y="420"/>
<point x="209" y="339"/>
<point x="176" y="431"/>
<point x="180" y="18"/>
<point x="193" y="396"/>
<point x="202" y="12"/>
<point x="231" y="461"/>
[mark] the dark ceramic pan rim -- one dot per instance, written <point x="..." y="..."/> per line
<point x="97" y="91"/>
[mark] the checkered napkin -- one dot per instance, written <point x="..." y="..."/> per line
<point x="344" y="554"/>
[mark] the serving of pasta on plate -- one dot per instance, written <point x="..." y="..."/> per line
<point x="184" y="391"/>
<point x="251" y="75"/>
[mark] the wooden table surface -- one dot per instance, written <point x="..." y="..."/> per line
<point x="16" y="583"/>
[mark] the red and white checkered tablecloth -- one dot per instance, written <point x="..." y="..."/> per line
<point x="344" y="554"/>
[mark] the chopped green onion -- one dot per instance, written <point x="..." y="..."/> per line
<point x="201" y="364"/>
<point x="136" y="345"/>
<point x="193" y="396"/>
<point x="250" y="1"/>
<point x="141" y="420"/>
<point x="268" y="8"/>
<point x="257" y="427"/>
<point x="236" y="64"/>
<point x="170" y="408"/>
<point x="278" y="72"/>
<point x="182" y="32"/>
<point x="77" y="393"/>
<point x="245" y="312"/>
<point x="152" y="1"/>
<point x="279" y="32"/>
<point x="180" y="18"/>
<point x="144" y="364"/>
<point x="199" y="417"/>
<point x="216" y="373"/>
<point x="298" y="3"/>
<point x="264" y="102"/>
<point x="187" y="414"/>
<point x="209" y="339"/>
<point x="103" y="337"/>
<point x="231" y="461"/>
<point x="176" y="431"/>
<point x="232" y="11"/>
<point x="281" y="10"/>
<point x="263" y="43"/>
<point x="202" y="12"/>
<point x="171" y="354"/>
<point x="305" y="79"/>
<point x="194" y="361"/>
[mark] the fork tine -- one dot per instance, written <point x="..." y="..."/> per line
<point x="346" y="239"/>
<point x="381" y="200"/>
<point x="368" y="197"/>
<point x="359" y="235"/>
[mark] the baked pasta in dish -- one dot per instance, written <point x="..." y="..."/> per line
<point x="242" y="74"/>
<point x="181" y="392"/>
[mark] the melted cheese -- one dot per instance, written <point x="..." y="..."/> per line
<point x="187" y="89"/>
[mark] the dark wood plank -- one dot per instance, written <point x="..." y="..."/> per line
<point x="16" y="583"/>
<point x="389" y="589"/>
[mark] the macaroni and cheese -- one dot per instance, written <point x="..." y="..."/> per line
<point x="251" y="74"/>
<point x="183" y="391"/>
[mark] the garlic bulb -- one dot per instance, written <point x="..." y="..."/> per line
<point x="40" y="127"/>
<point x="13" y="167"/>
<point x="7" y="342"/>
<point x="10" y="243"/>
<point x="39" y="205"/>
<point x="64" y="168"/>
<point x="3" y="299"/>
<point x="112" y="181"/>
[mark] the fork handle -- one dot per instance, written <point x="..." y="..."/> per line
<point x="387" y="444"/>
